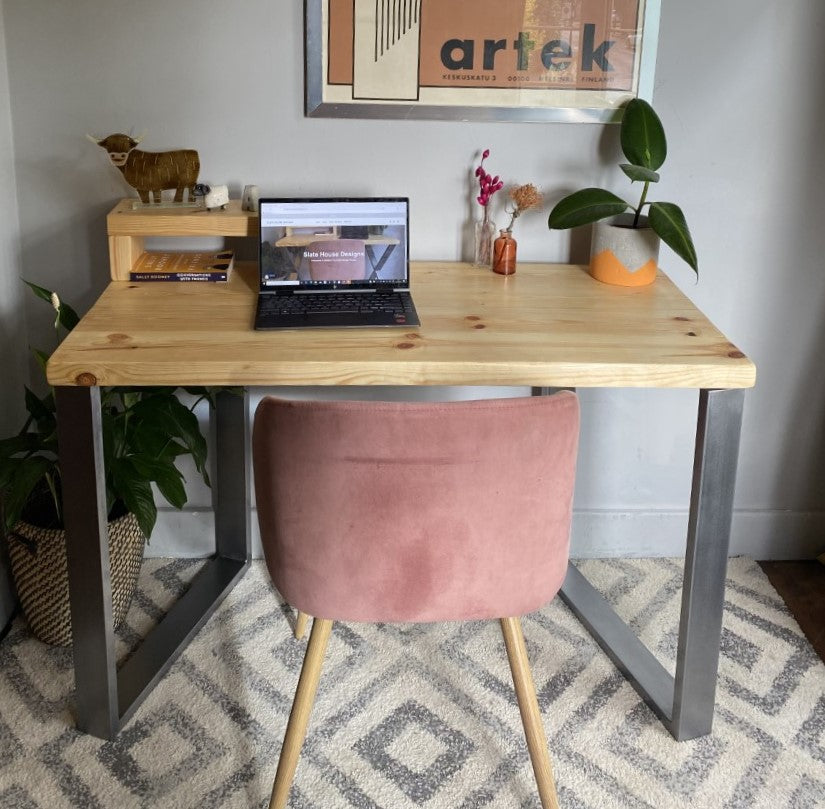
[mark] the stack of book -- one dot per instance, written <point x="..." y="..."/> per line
<point x="158" y="266"/>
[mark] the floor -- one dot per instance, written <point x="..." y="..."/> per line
<point x="802" y="586"/>
<point x="413" y="716"/>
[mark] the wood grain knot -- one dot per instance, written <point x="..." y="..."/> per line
<point x="118" y="338"/>
<point x="691" y="334"/>
<point x="413" y="336"/>
<point x="86" y="379"/>
<point x="683" y="319"/>
<point x="736" y="355"/>
<point x="479" y="326"/>
<point x="405" y="345"/>
<point x="472" y="317"/>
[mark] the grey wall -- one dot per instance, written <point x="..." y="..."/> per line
<point x="12" y="324"/>
<point x="745" y="164"/>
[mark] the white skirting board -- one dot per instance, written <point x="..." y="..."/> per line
<point x="596" y="534"/>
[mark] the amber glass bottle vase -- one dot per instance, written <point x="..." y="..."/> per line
<point x="504" y="253"/>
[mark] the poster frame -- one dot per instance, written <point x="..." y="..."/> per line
<point x="316" y="106"/>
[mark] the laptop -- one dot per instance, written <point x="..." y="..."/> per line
<point x="332" y="263"/>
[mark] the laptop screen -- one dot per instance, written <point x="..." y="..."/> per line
<point x="334" y="243"/>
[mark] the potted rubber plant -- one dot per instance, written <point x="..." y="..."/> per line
<point x="625" y="245"/>
<point x="145" y="430"/>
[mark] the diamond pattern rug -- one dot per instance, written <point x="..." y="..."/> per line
<point x="414" y="716"/>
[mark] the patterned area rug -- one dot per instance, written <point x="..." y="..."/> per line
<point x="425" y="716"/>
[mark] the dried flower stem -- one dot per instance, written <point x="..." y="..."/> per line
<point x="524" y="197"/>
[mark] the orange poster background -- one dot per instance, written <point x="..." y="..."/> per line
<point x="341" y="23"/>
<point x="479" y="20"/>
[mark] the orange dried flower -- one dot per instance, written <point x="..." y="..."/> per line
<point x="523" y="198"/>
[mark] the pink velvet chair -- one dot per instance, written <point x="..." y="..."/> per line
<point x="379" y="511"/>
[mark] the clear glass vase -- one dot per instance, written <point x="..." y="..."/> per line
<point x="485" y="232"/>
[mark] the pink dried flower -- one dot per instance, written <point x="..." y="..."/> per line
<point x="487" y="184"/>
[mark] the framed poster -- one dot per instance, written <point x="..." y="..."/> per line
<point x="479" y="60"/>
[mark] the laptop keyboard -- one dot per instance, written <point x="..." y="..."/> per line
<point x="333" y="302"/>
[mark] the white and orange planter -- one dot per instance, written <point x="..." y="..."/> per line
<point x="623" y="255"/>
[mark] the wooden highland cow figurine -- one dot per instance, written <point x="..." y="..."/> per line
<point x="152" y="171"/>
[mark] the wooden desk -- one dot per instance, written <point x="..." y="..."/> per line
<point x="546" y="326"/>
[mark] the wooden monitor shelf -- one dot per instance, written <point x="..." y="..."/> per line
<point x="128" y="228"/>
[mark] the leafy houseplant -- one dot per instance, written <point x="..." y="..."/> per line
<point x="144" y="431"/>
<point x="645" y="147"/>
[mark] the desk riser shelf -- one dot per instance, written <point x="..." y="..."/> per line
<point x="128" y="229"/>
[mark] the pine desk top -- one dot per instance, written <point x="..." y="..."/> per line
<point x="547" y="325"/>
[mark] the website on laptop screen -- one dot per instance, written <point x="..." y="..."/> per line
<point x="333" y="242"/>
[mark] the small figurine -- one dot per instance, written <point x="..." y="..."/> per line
<point x="249" y="200"/>
<point x="214" y="196"/>
<point x="152" y="172"/>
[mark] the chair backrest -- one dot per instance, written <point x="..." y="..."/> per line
<point x="337" y="260"/>
<point x="416" y="511"/>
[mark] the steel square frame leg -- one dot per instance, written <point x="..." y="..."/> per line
<point x="107" y="697"/>
<point x="685" y="703"/>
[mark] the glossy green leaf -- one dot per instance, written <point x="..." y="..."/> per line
<point x="42" y="358"/>
<point x="19" y="444"/>
<point x="183" y="424"/>
<point x="41" y="292"/>
<point x="208" y="394"/>
<point x="150" y="439"/>
<point x="639" y="173"/>
<point x="160" y="393"/>
<point x="66" y="316"/>
<point x="37" y="409"/>
<point x="25" y="475"/>
<point x="179" y="423"/>
<point x="42" y="411"/>
<point x="108" y="441"/>
<point x="9" y="464"/>
<point x="165" y="474"/>
<point x="642" y="135"/>
<point x="29" y="443"/>
<point x="172" y="488"/>
<point x="136" y="493"/>
<point x="585" y="206"/>
<point x="668" y="221"/>
<point x="130" y="398"/>
<point x="157" y="445"/>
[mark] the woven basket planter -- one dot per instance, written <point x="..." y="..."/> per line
<point x="38" y="564"/>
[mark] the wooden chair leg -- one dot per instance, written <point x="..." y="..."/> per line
<point x="530" y="714"/>
<point x="299" y="716"/>
<point x="300" y="624"/>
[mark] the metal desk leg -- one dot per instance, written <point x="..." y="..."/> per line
<point x="107" y="698"/>
<point x="87" y="553"/>
<point x="685" y="704"/>
<point x="233" y="477"/>
<point x="706" y="561"/>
